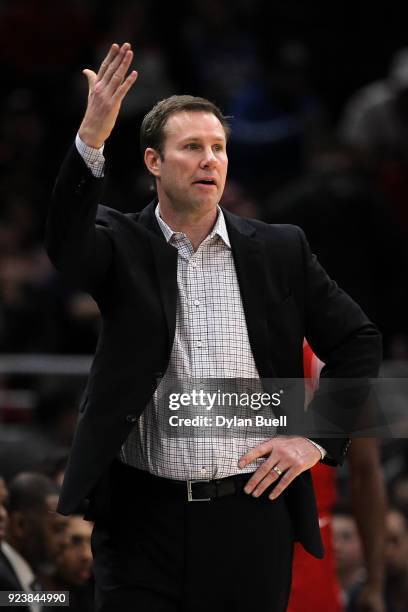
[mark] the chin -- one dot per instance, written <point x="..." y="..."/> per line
<point x="206" y="203"/>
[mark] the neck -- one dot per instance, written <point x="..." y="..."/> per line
<point x="195" y="224"/>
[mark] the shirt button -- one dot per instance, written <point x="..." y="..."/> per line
<point x="199" y="343"/>
<point x="196" y="302"/>
<point x="203" y="471"/>
<point x="194" y="264"/>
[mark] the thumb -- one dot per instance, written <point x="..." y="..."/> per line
<point x="91" y="78"/>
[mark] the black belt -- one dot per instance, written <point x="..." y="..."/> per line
<point x="190" y="490"/>
<point x="207" y="490"/>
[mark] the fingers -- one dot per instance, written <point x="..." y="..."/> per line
<point x="258" y="486"/>
<point x="126" y="85"/>
<point x="258" y="451"/>
<point x="284" y="482"/>
<point x="117" y="75"/>
<point x="91" y="78"/>
<point x="113" y="51"/>
<point x="114" y="63"/>
<point x="264" y="471"/>
<point x="290" y="455"/>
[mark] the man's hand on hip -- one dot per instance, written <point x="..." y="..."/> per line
<point x="106" y="92"/>
<point x="287" y="457"/>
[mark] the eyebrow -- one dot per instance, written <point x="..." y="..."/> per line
<point x="199" y="138"/>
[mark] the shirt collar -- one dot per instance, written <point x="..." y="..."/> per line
<point x="219" y="229"/>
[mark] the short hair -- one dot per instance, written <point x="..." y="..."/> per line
<point x="29" y="490"/>
<point x="152" y="128"/>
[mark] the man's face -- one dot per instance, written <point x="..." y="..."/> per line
<point x="191" y="173"/>
<point x="3" y="510"/>
<point x="38" y="533"/>
<point x="347" y="545"/>
<point x="75" y="561"/>
<point x="46" y="533"/>
<point x="396" y="546"/>
<point x="54" y="528"/>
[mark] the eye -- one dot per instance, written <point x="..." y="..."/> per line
<point x="219" y="147"/>
<point x="192" y="146"/>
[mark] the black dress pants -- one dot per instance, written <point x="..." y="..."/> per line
<point x="159" y="552"/>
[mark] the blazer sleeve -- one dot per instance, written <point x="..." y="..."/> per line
<point x="78" y="247"/>
<point x="349" y="344"/>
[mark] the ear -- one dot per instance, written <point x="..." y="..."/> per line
<point x="153" y="160"/>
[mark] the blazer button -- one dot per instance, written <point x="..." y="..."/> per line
<point x="131" y="418"/>
<point x="80" y="184"/>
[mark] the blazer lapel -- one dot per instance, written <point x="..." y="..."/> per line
<point x="250" y="266"/>
<point x="165" y="257"/>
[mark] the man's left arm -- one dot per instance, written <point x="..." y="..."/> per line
<point x="348" y="343"/>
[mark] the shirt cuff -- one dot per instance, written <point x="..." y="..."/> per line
<point x="93" y="158"/>
<point x="322" y="451"/>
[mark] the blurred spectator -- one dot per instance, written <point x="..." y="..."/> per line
<point x="73" y="566"/>
<point x="399" y="493"/>
<point x="396" y="556"/>
<point x="368" y="503"/>
<point x="348" y="552"/>
<point x="375" y="123"/>
<point x="35" y="532"/>
<point x="376" y="117"/>
<point x="3" y="510"/>
<point x="353" y="233"/>
<point x="276" y="118"/>
<point x="8" y="578"/>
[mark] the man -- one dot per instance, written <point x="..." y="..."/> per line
<point x="187" y="290"/>
<point x="73" y="566"/>
<point x="348" y="553"/>
<point x="35" y="533"/>
<point x="8" y="577"/>
<point x="396" y="559"/>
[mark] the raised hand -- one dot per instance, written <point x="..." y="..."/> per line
<point x="106" y="92"/>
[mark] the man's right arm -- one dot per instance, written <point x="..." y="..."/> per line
<point x="77" y="247"/>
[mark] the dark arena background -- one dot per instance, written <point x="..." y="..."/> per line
<point x="318" y="99"/>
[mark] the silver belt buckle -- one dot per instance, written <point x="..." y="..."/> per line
<point x="190" y="492"/>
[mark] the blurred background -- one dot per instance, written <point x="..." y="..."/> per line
<point x="318" y="99"/>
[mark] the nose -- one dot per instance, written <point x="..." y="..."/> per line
<point x="209" y="159"/>
<point x="86" y="552"/>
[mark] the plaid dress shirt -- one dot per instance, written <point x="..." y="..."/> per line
<point x="211" y="341"/>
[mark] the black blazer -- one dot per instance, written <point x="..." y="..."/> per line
<point x="9" y="581"/>
<point x="125" y="263"/>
